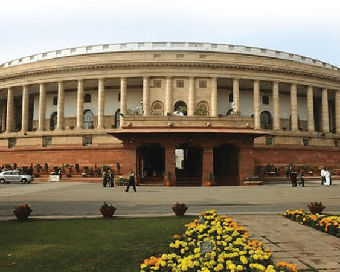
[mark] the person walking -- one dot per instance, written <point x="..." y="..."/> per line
<point x="293" y="178"/>
<point x="110" y="178"/>
<point x="323" y="176"/>
<point x="131" y="182"/>
<point x="328" y="178"/>
<point x="104" y="178"/>
<point x="302" y="179"/>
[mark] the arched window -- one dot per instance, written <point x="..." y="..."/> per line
<point x="180" y="106"/>
<point x="117" y="119"/>
<point x="88" y="120"/>
<point x="265" y="100"/>
<point x="202" y="108"/>
<point x="266" y="120"/>
<point x="55" y="100"/>
<point x="87" y="98"/>
<point x="53" y="121"/>
<point x="157" y="108"/>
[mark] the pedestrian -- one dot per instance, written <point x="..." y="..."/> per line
<point x="323" y="176"/>
<point x="287" y="172"/>
<point x="327" y="178"/>
<point x="293" y="178"/>
<point x="302" y="179"/>
<point x="110" y="178"/>
<point x="104" y="178"/>
<point x="131" y="182"/>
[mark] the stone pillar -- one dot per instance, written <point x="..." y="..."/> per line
<point x="276" y="107"/>
<point x="214" y="97"/>
<point x="169" y="96"/>
<point x="170" y="172"/>
<point x="191" y="98"/>
<point x="101" y="102"/>
<point x="146" y="96"/>
<point x="3" y="118"/>
<point x="310" y="109"/>
<point x="337" y="111"/>
<point x="325" y="111"/>
<point x="25" y="109"/>
<point x="257" y="105"/>
<point x="80" y="103"/>
<point x="60" y="107"/>
<point x="10" y="110"/>
<point x="293" y="107"/>
<point x="208" y="165"/>
<point x="236" y="94"/>
<point x="42" y="106"/>
<point x="123" y="96"/>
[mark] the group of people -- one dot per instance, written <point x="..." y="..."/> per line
<point x="293" y="176"/>
<point x="108" y="180"/>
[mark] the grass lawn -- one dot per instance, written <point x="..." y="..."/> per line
<point x="85" y="244"/>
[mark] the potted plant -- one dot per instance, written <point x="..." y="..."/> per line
<point x="22" y="211"/>
<point x="107" y="210"/>
<point x="316" y="207"/>
<point x="179" y="209"/>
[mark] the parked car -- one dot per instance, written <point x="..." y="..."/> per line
<point x="14" y="176"/>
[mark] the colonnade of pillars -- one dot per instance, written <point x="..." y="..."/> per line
<point x="169" y="101"/>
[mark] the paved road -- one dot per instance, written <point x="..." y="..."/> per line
<point x="86" y="198"/>
<point x="254" y="207"/>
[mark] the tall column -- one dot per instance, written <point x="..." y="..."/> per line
<point x="191" y="99"/>
<point x="42" y="106"/>
<point x="101" y="102"/>
<point x="123" y="95"/>
<point x="169" y="96"/>
<point x="310" y="109"/>
<point x="293" y="107"/>
<point x="337" y="111"/>
<point x="214" y="94"/>
<point x="146" y="96"/>
<point x="25" y="107"/>
<point x="257" y="105"/>
<point x="10" y="110"/>
<point x="80" y="103"/>
<point x="276" y="107"/>
<point x="236" y="94"/>
<point x="3" y="118"/>
<point x="60" y="107"/>
<point x="325" y="111"/>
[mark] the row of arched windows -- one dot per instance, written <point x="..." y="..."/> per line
<point x="157" y="110"/>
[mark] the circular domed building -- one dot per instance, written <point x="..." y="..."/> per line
<point x="174" y="112"/>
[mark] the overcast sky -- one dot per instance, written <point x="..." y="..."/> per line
<point x="310" y="28"/>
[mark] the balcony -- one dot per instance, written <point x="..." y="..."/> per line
<point x="187" y="122"/>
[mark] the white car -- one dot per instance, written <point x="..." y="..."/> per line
<point x="14" y="176"/>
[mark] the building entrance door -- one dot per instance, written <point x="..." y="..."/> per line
<point x="151" y="163"/>
<point x="188" y="160"/>
<point x="226" y="160"/>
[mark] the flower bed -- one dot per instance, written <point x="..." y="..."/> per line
<point x="326" y="223"/>
<point x="215" y="243"/>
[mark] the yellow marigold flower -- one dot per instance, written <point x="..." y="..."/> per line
<point x="163" y="263"/>
<point x="239" y="268"/>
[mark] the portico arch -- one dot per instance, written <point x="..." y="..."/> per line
<point x="226" y="161"/>
<point x="188" y="160"/>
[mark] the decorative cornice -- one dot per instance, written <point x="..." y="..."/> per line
<point x="240" y="67"/>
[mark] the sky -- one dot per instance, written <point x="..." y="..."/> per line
<point x="309" y="28"/>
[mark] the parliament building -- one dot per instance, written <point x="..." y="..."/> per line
<point x="174" y="112"/>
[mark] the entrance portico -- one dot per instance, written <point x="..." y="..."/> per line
<point x="190" y="157"/>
